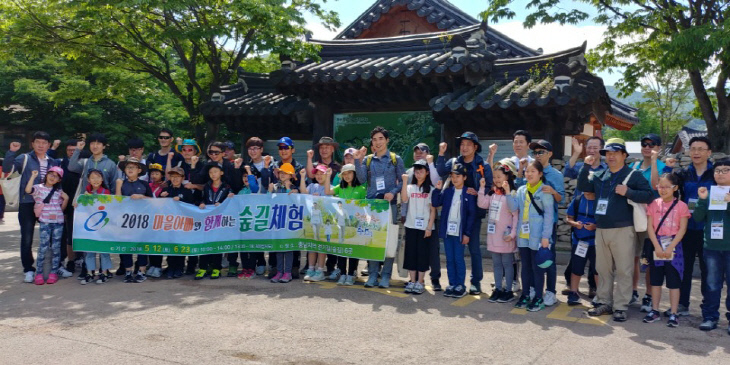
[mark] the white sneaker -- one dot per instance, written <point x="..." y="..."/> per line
<point x="154" y="272"/>
<point x="515" y="286"/>
<point x="342" y="280"/>
<point x="64" y="273"/>
<point x="549" y="299"/>
<point x="29" y="276"/>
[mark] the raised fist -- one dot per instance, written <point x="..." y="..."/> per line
<point x="310" y="154"/>
<point x="405" y="178"/>
<point x="654" y="155"/>
<point x="170" y="155"/>
<point x="492" y="149"/>
<point x="361" y="153"/>
<point x="80" y="145"/>
<point x="56" y="143"/>
<point x="238" y="162"/>
<point x="14" y="146"/>
<point x="33" y="174"/>
<point x="248" y="169"/>
<point x="442" y="148"/>
<point x="267" y="161"/>
<point x="482" y="182"/>
<point x="122" y="158"/>
<point x="589" y="160"/>
<point x="671" y="162"/>
<point x="429" y="159"/>
<point x="505" y="186"/>
<point x="179" y="141"/>
<point x="194" y="160"/>
<point x="439" y="185"/>
<point x="703" y="193"/>
<point x="303" y="173"/>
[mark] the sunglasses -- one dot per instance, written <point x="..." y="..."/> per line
<point x="281" y="148"/>
<point x="539" y="152"/>
<point x="214" y="152"/>
<point x="648" y="144"/>
<point x="164" y="137"/>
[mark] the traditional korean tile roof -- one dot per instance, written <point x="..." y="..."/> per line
<point x="624" y="112"/>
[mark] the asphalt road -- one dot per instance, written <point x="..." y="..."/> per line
<point x="253" y="321"/>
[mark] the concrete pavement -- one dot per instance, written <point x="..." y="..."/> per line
<point x="255" y="322"/>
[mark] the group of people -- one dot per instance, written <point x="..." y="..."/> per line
<point x="513" y="202"/>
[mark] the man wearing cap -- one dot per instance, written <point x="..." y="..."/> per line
<point x="593" y="148"/>
<point x="542" y="151"/>
<point x="469" y="148"/>
<point x="190" y="152"/>
<point x="230" y="152"/>
<point x="615" y="234"/>
<point x="383" y="173"/>
<point x="165" y="153"/>
<point x="135" y="147"/>
<point x="326" y="150"/>
<point x="421" y="152"/>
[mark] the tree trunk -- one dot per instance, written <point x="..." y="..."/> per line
<point x="718" y="128"/>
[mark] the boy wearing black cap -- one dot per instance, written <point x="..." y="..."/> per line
<point x="177" y="191"/>
<point x="134" y="188"/>
<point x="477" y="169"/>
<point x="215" y="192"/>
<point x="456" y="229"/>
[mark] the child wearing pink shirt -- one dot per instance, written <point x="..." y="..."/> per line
<point x="501" y="229"/>
<point x="669" y="217"/>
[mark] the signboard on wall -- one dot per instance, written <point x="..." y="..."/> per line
<point x="406" y="130"/>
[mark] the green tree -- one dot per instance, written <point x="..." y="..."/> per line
<point x="193" y="47"/>
<point x="649" y="124"/>
<point x="647" y="36"/>
<point x="668" y="97"/>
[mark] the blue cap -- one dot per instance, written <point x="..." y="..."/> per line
<point x="286" y="141"/>
<point x="544" y="258"/>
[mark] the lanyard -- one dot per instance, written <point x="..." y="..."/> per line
<point x="612" y="185"/>
<point x="218" y="194"/>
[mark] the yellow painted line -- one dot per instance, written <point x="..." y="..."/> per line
<point x="323" y="284"/>
<point x="520" y="311"/>
<point x="463" y="302"/>
<point x="429" y="289"/>
<point x="563" y="310"/>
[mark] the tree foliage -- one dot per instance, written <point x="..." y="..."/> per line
<point x="645" y="36"/>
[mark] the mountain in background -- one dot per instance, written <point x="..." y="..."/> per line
<point x="631" y="100"/>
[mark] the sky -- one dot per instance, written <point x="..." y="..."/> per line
<point x="551" y="38"/>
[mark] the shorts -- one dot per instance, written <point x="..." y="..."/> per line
<point x="658" y="273"/>
<point x="640" y="237"/>
<point x="578" y="264"/>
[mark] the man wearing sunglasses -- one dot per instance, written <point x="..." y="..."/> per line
<point x="231" y="175"/>
<point x="162" y="156"/>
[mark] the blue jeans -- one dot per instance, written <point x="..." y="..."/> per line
<point x="527" y="272"/>
<point x="50" y="239"/>
<point x="718" y="269"/>
<point x="284" y="262"/>
<point x="455" y="263"/>
<point x="27" y="219"/>
<point x="552" y="271"/>
<point x="104" y="258"/>
<point x="477" y="272"/>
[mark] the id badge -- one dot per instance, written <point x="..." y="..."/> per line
<point x="380" y="183"/>
<point x="716" y="230"/>
<point x="495" y="207"/>
<point x="420" y="223"/>
<point x="692" y="203"/>
<point x="582" y="249"/>
<point x="452" y="229"/>
<point x="491" y="228"/>
<point x="602" y="206"/>
<point x="525" y="228"/>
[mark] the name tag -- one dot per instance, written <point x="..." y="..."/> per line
<point x="716" y="230"/>
<point x="692" y="203"/>
<point x="491" y="228"/>
<point x="495" y="207"/>
<point x="452" y="229"/>
<point x="582" y="249"/>
<point x="420" y="223"/>
<point x="525" y="228"/>
<point x="665" y="241"/>
<point x="602" y="206"/>
<point x="380" y="183"/>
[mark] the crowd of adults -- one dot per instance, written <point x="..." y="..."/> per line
<point x="603" y="177"/>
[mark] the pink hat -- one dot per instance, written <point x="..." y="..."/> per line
<point x="57" y="170"/>
<point x="350" y="151"/>
<point x="319" y="168"/>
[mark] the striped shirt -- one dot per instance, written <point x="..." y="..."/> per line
<point x="52" y="212"/>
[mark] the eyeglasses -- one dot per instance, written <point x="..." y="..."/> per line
<point x="281" y="148"/>
<point x="214" y="152"/>
<point x="648" y="144"/>
<point x="539" y="152"/>
<point x="164" y="137"/>
<point x="722" y="171"/>
<point x="698" y="149"/>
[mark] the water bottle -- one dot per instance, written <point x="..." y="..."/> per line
<point x="507" y="231"/>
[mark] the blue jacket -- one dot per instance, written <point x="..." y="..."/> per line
<point x="541" y="226"/>
<point x="33" y="164"/>
<point x="688" y="186"/>
<point x="468" y="211"/>
<point x="475" y="174"/>
<point x="555" y="179"/>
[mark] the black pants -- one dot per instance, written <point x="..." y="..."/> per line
<point x="27" y="219"/>
<point x="68" y="229"/>
<point x="591" y="276"/>
<point x="347" y="264"/>
<point x="435" y="254"/>
<point x="175" y="262"/>
<point x="692" y="246"/>
<point x="211" y="262"/>
<point x="192" y="262"/>
<point x="127" y="261"/>
<point x="332" y="260"/>
<point x="156" y="260"/>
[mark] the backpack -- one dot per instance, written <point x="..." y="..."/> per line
<point x="369" y="159"/>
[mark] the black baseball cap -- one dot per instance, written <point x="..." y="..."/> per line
<point x="471" y="136"/>
<point x="420" y="163"/>
<point x="541" y="144"/>
<point x="459" y="168"/>
<point x="652" y="137"/>
<point x="423" y="147"/>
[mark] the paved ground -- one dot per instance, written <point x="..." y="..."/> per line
<point x="254" y="321"/>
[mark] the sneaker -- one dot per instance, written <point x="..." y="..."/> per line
<point x="120" y="271"/>
<point x="646" y="304"/>
<point x="190" y="270"/>
<point x="592" y="293"/>
<point x="201" y="274"/>
<point x="522" y="302"/>
<point x="70" y="266"/>
<point x="372" y="281"/>
<point x="673" y="321"/>
<point x="708" y="325"/>
<point x="682" y="311"/>
<point x="449" y="292"/>
<point x="573" y="299"/>
<point x="260" y="270"/>
<point x="365" y="272"/>
<point x="350" y="280"/>
<point x="177" y="273"/>
<point x="619" y="316"/>
<point x="496" y="294"/>
<point x="506" y="297"/>
<point x="409" y="287"/>
<point x="29" y="276"/>
<point x="128" y="278"/>
<point x="516" y="286"/>
<point x="242" y="274"/>
<point x="600" y="310"/>
<point x="549" y="299"/>
<point x="652" y="317"/>
<point x="101" y="279"/>
<point x="342" y="280"/>
<point x="170" y="273"/>
<point x="318" y="276"/>
<point x="475" y="289"/>
<point x="566" y="291"/>
<point x="635" y="297"/>
<point x="309" y="274"/>
<point x="87" y="279"/>
<point x="140" y="277"/>
<point x="52" y="278"/>
<point x="109" y="274"/>
<point x="38" y="280"/>
<point x="418" y="289"/>
<point x="64" y="273"/>
<point x="215" y="274"/>
<point x="436" y="285"/>
<point x="335" y="275"/>
<point x="384" y="283"/>
<point x="277" y="277"/>
<point x="459" y="291"/>
<point x="285" y="278"/>
<point x="232" y="271"/>
<point x="154" y="272"/>
<point x="536" y="305"/>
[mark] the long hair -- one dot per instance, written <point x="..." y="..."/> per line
<point x="510" y="178"/>
<point x="426" y="186"/>
<point x="355" y="182"/>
